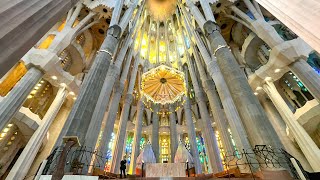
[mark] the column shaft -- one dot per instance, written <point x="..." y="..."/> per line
<point x="155" y="132"/>
<point x="116" y="157"/>
<point x="173" y="132"/>
<point x="254" y="118"/>
<point x="233" y="117"/>
<point x="136" y="137"/>
<point x="78" y="121"/>
<point x="25" y="160"/>
<point x="308" y="76"/>
<point x="120" y="138"/>
<point x="16" y="97"/>
<point x="192" y="135"/>
<point x="103" y="100"/>
<point x="210" y="139"/>
<point x="305" y="142"/>
<point x="214" y="101"/>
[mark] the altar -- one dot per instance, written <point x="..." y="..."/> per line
<point x="165" y="170"/>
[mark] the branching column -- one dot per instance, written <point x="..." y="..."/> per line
<point x="306" y="144"/>
<point x="173" y="132"/>
<point x="14" y="100"/>
<point x="155" y="131"/>
<point x="25" y="160"/>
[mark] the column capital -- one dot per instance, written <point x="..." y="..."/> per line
<point x="115" y="31"/>
<point x="209" y="27"/>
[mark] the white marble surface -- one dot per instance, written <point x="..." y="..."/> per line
<point x="165" y="170"/>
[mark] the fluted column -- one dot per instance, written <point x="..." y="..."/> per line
<point x="32" y="20"/>
<point x="259" y="129"/>
<point x="308" y="76"/>
<point x="305" y="142"/>
<point x="238" y="131"/>
<point x="173" y="132"/>
<point x="11" y="103"/>
<point x="113" y="109"/>
<point x="103" y="100"/>
<point x="78" y="121"/>
<point x="136" y="137"/>
<point x="210" y="139"/>
<point x="25" y="160"/>
<point x="104" y="97"/>
<point x="120" y="138"/>
<point x="191" y="130"/>
<point x="155" y="132"/>
<point x="214" y="101"/>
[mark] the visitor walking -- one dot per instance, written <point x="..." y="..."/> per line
<point x="123" y="168"/>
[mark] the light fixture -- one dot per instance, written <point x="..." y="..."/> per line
<point x="255" y="93"/>
<point x="10" y="125"/>
<point x="258" y="88"/>
<point x="5" y="130"/>
<point x="63" y="84"/>
<point x="38" y="85"/>
<point x="74" y="98"/>
<point x="268" y="78"/>
<point x="277" y="70"/>
<point x="54" y="77"/>
<point x="71" y="93"/>
<point x="30" y="96"/>
<point x="42" y="81"/>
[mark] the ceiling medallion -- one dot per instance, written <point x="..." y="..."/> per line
<point x="163" y="85"/>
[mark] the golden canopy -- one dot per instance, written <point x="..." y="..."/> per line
<point x="163" y="85"/>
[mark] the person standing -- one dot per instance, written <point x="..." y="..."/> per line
<point x="123" y="168"/>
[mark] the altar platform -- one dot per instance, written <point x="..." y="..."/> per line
<point x="165" y="170"/>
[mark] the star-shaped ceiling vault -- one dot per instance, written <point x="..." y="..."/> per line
<point x="163" y="85"/>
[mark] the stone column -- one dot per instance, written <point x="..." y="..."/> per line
<point x="305" y="142"/>
<point x="155" y="131"/>
<point x="280" y="126"/>
<point x="11" y="103"/>
<point x="25" y="160"/>
<point x="173" y="132"/>
<point x="33" y="19"/>
<point x="210" y="139"/>
<point x="120" y="141"/>
<point x="136" y="137"/>
<point x="259" y="129"/>
<point x="233" y="117"/>
<point x="191" y="131"/>
<point x="113" y="108"/>
<point x="103" y="100"/>
<point x="78" y="121"/>
<point x="214" y="101"/>
<point x="308" y="76"/>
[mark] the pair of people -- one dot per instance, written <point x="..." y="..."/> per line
<point x="123" y="168"/>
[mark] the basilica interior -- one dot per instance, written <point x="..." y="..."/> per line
<point x="193" y="83"/>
